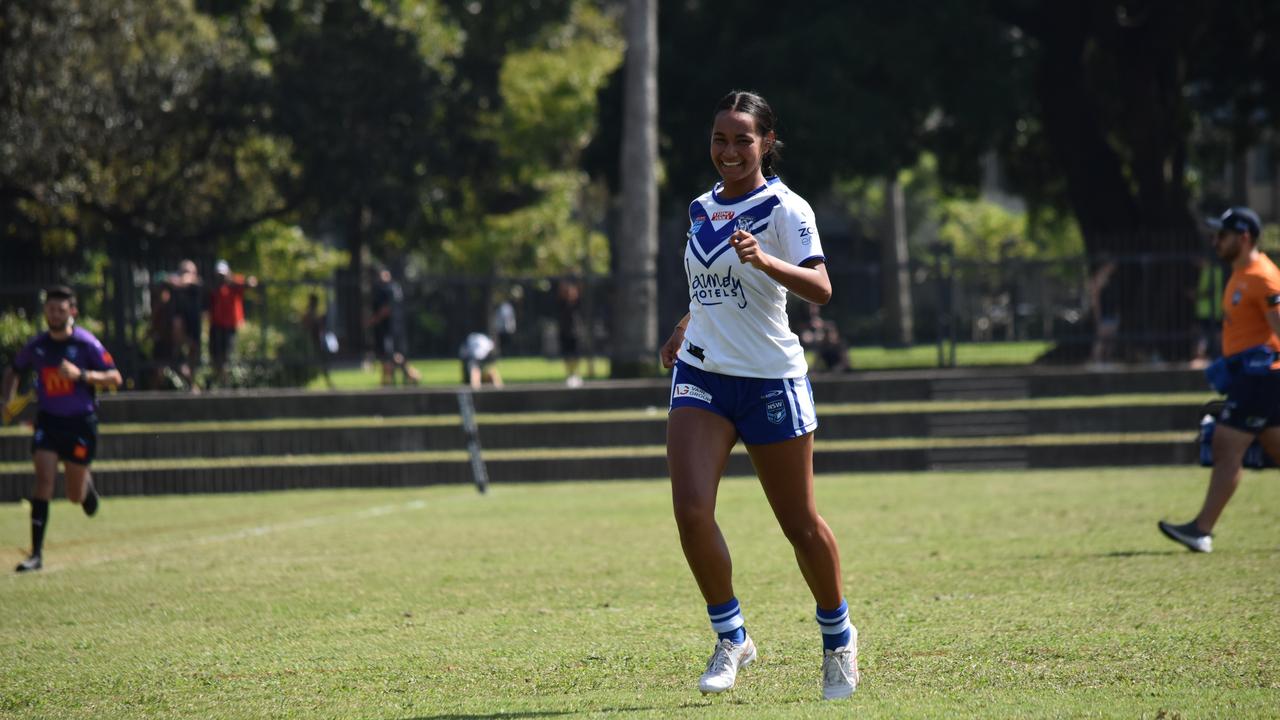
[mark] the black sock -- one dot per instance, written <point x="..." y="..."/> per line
<point x="39" y="521"/>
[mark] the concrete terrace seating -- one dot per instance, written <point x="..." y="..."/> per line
<point x="155" y="443"/>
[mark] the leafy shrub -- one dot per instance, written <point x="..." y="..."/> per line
<point x="273" y="359"/>
<point x="15" y="330"/>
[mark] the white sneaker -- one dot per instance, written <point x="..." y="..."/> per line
<point x="840" y="671"/>
<point x="722" y="668"/>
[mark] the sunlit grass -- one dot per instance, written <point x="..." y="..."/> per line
<point x="540" y="369"/>
<point x="998" y="594"/>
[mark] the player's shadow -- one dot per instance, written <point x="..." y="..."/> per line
<point x="517" y="715"/>
<point x="493" y="715"/>
<point x="1113" y="554"/>
<point x="1135" y="553"/>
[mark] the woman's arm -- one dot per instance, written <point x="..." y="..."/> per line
<point x="809" y="281"/>
<point x="672" y="345"/>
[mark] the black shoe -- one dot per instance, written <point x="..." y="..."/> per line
<point x="1187" y="535"/>
<point x="30" y="564"/>
<point x="90" y="504"/>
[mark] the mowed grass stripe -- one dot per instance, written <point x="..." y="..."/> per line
<point x="638" y="414"/>
<point x="624" y="451"/>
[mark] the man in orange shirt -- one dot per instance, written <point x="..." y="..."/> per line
<point x="1250" y="348"/>
<point x="226" y="315"/>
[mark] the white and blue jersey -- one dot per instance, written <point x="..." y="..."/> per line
<point x="738" y="314"/>
<point x="740" y="358"/>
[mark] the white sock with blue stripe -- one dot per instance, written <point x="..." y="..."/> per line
<point x="836" y="630"/>
<point x="726" y="620"/>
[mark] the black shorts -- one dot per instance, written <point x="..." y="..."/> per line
<point x="384" y="344"/>
<point x="1253" y="402"/>
<point x="569" y="344"/>
<point x="221" y="342"/>
<point x="74" y="439"/>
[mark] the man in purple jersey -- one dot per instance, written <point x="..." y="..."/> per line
<point x="70" y="365"/>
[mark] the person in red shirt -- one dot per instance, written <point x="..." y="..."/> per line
<point x="1251" y="355"/>
<point x="226" y="315"/>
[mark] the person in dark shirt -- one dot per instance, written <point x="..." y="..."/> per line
<point x="165" y="330"/>
<point x="189" y="301"/>
<point x="570" y="324"/>
<point x="321" y="343"/>
<point x="387" y="321"/>
<point x="70" y="365"/>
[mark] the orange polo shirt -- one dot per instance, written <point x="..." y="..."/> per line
<point x="1251" y="292"/>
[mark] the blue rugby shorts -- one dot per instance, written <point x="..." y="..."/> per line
<point x="762" y="410"/>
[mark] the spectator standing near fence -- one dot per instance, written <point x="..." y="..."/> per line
<point x="502" y="321"/>
<point x="164" y="329"/>
<point x="226" y="315"/>
<point x="1251" y="364"/>
<point x="740" y="373"/>
<point x="321" y="344"/>
<point x="70" y="366"/>
<point x="389" y="338"/>
<point x="569" y="324"/>
<point x="189" y="304"/>
<point x="1104" y="302"/>
<point x="1208" y="299"/>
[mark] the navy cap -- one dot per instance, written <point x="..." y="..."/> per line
<point x="1238" y="219"/>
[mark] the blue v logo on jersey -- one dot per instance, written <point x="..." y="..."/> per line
<point x="710" y="240"/>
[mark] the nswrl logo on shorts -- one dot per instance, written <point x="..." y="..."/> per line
<point x="775" y="407"/>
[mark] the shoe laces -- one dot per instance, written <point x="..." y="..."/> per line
<point x="837" y="667"/>
<point x="721" y="660"/>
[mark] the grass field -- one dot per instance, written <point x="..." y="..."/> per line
<point x="1002" y="594"/>
<point x="540" y="369"/>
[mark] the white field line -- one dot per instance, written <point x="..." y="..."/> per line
<point x="242" y="534"/>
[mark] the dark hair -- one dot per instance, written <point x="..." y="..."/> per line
<point x="59" y="292"/>
<point x="751" y="103"/>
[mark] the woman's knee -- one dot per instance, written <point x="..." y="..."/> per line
<point x="804" y="531"/>
<point x="692" y="513"/>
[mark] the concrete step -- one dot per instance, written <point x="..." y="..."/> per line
<point x="150" y="477"/>
<point x="879" y="386"/>
<point x="592" y="429"/>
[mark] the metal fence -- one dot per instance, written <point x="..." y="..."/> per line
<point x="1069" y="303"/>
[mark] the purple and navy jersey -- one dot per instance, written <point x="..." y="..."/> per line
<point x="55" y="394"/>
<point x="738" y="314"/>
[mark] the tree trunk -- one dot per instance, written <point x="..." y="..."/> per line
<point x="635" y="239"/>
<point x="895" y="270"/>
<point x="1124" y="162"/>
<point x="351" y="283"/>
